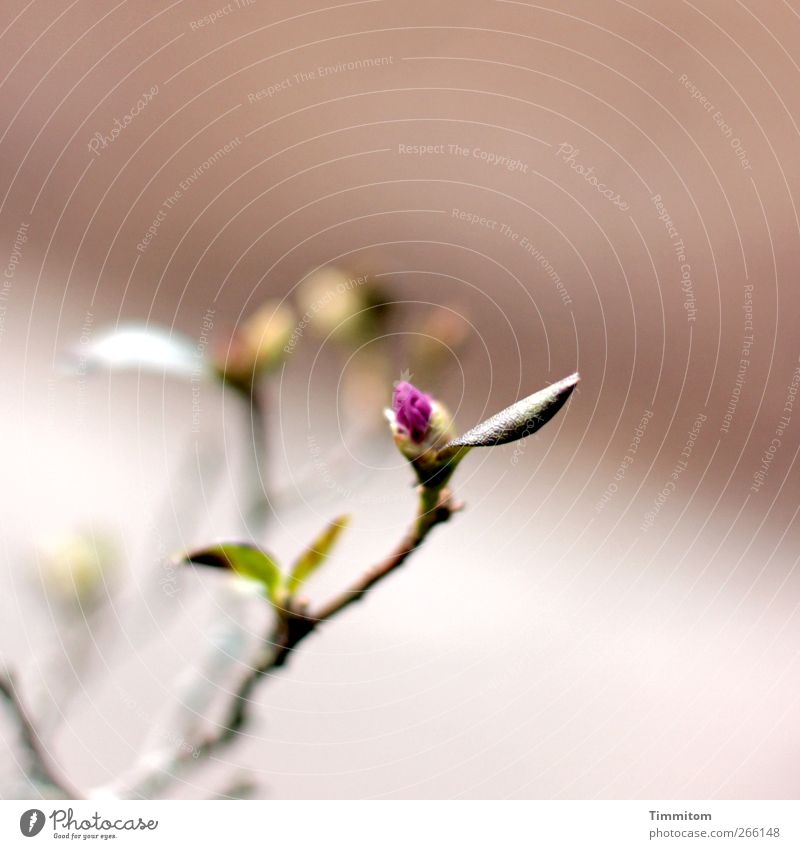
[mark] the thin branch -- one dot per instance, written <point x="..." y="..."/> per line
<point x="41" y="771"/>
<point x="436" y="506"/>
<point x="294" y="624"/>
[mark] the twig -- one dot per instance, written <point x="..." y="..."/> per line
<point x="260" y="511"/>
<point x="41" y="770"/>
<point x="294" y="624"/>
<point x="435" y="507"/>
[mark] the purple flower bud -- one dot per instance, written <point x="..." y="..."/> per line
<point x="412" y="410"/>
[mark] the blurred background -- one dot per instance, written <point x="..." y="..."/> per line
<point x="498" y="193"/>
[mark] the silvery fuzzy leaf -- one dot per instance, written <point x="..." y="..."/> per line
<point x="138" y="346"/>
<point x="519" y="420"/>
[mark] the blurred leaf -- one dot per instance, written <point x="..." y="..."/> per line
<point x="139" y="346"/>
<point x="519" y="420"/>
<point x="316" y="554"/>
<point x="245" y="560"/>
<point x="347" y="304"/>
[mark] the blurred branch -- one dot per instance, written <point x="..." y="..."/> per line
<point x="41" y="771"/>
<point x="261" y="508"/>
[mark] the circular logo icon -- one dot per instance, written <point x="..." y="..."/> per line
<point x="31" y="822"/>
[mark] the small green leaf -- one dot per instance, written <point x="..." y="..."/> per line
<point x="245" y="560"/>
<point x="517" y="421"/>
<point x="316" y="554"/>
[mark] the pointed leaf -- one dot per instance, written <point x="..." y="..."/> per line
<point x="519" y="420"/>
<point x="138" y="346"/>
<point x="245" y="560"/>
<point x="316" y="554"/>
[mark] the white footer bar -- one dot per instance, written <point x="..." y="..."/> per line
<point x="403" y="824"/>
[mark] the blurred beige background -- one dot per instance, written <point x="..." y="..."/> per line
<point x="591" y="626"/>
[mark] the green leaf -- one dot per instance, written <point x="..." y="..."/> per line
<point x="316" y="554"/>
<point x="245" y="560"/>
<point x="519" y="420"/>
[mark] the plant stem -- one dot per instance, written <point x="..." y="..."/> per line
<point x="261" y="507"/>
<point x="435" y="506"/>
<point x="294" y="624"/>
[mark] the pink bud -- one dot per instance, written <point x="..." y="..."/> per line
<point x="412" y="409"/>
